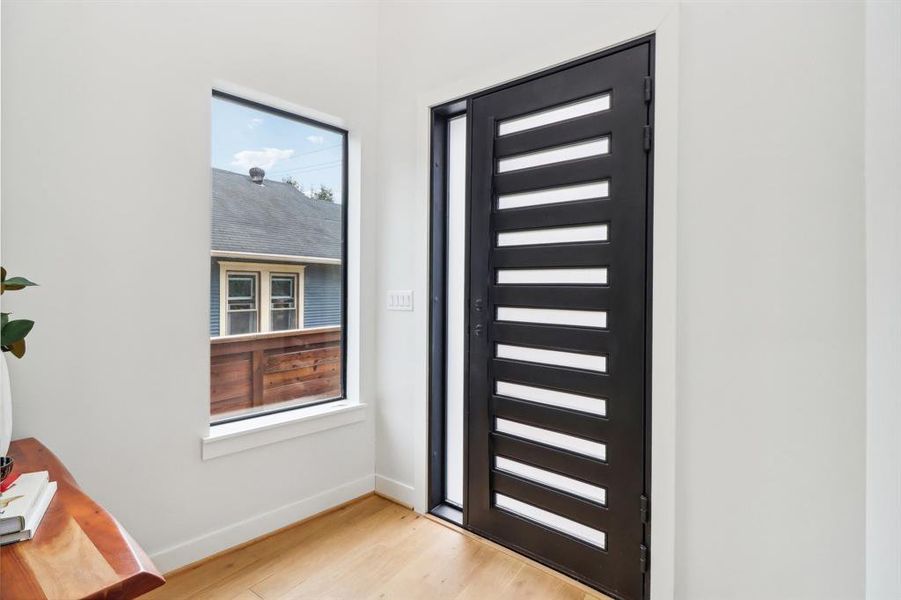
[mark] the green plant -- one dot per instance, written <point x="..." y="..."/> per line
<point x="13" y="332"/>
<point x="323" y="193"/>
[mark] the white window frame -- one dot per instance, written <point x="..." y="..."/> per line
<point x="298" y="316"/>
<point x="228" y="438"/>
<point x="227" y="296"/>
<point x="264" y="273"/>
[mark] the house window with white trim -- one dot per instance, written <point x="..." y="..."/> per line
<point x="242" y="303"/>
<point x="277" y="260"/>
<point x="260" y="297"/>
<point x="283" y="300"/>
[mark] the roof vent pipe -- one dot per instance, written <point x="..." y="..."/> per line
<point x="256" y="175"/>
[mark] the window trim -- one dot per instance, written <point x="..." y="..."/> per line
<point x="224" y="319"/>
<point x="296" y="288"/>
<point x="222" y="95"/>
<point x="236" y="435"/>
<point x="350" y="201"/>
<point x="264" y="273"/>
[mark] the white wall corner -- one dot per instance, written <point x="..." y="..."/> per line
<point x="883" y="221"/>
<point x="401" y="493"/>
<point x="665" y="331"/>
<point x="195" y="549"/>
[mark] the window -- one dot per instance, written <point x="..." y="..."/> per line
<point x="277" y="260"/>
<point x="284" y="302"/>
<point x="242" y="303"/>
<point x="262" y="297"/>
<point x="455" y="265"/>
<point x="447" y="493"/>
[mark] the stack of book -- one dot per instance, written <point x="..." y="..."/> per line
<point x="22" y="506"/>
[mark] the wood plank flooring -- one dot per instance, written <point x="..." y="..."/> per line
<point x="372" y="549"/>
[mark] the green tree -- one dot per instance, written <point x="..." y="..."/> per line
<point x="324" y="193"/>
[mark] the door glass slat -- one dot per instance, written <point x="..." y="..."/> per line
<point x="581" y="108"/>
<point x="553" y="316"/>
<point x="585" y="533"/>
<point x="596" y="406"/>
<point x="563" y="276"/>
<point x="556" y="439"/>
<point x="570" y="193"/>
<point x="597" y="147"/>
<point x="551" y="479"/>
<point x="553" y="235"/>
<point x="575" y="360"/>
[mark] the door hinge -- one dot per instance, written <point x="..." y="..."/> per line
<point x="648" y="88"/>
<point x="645" y="559"/>
<point x="647" y="138"/>
<point x="645" y="505"/>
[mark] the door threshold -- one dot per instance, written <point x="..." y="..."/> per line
<point x="437" y="515"/>
<point x="449" y="513"/>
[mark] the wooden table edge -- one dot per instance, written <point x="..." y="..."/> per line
<point x="31" y="455"/>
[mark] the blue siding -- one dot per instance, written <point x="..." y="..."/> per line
<point x="214" y="297"/>
<point x="322" y="295"/>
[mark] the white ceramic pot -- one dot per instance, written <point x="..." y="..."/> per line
<point x="6" y="407"/>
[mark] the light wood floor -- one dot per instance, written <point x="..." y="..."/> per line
<point x="370" y="549"/>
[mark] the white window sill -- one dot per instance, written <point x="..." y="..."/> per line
<point x="253" y="432"/>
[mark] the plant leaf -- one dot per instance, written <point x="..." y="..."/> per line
<point x="18" y="281"/>
<point x="15" y="331"/>
<point x="17" y="348"/>
<point x="4" y="319"/>
<point x="15" y="283"/>
<point x="2" y="274"/>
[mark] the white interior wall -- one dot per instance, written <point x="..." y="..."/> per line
<point x="883" y="223"/>
<point x="770" y="263"/>
<point x="106" y="123"/>
<point x="771" y="389"/>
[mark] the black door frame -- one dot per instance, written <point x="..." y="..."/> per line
<point x="439" y="119"/>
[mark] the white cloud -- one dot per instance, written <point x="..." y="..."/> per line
<point x="254" y="122"/>
<point x="315" y="139"/>
<point x="265" y="158"/>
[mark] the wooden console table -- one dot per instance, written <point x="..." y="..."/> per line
<point x="79" y="550"/>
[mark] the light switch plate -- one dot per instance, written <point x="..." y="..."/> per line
<point x="400" y="299"/>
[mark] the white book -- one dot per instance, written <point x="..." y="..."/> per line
<point x="34" y="519"/>
<point x="17" y="501"/>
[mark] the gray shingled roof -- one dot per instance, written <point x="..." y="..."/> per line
<point x="273" y="218"/>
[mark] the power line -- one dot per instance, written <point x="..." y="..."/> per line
<point x="308" y="168"/>
<point x="306" y="154"/>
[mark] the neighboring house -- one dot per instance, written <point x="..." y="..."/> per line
<point x="276" y="256"/>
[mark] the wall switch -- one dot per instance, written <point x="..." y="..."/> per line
<point x="400" y="300"/>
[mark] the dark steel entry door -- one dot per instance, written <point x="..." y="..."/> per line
<point x="558" y="291"/>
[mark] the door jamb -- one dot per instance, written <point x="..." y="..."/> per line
<point x="440" y="117"/>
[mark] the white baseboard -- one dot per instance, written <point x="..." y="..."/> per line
<point x="397" y="491"/>
<point x="205" y="545"/>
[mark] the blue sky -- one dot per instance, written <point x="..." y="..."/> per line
<point x="244" y="137"/>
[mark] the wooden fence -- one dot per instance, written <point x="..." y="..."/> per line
<point x="253" y="371"/>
